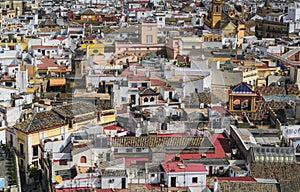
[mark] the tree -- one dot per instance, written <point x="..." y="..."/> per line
<point x="282" y="143"/>
<point x="33" y="173"/>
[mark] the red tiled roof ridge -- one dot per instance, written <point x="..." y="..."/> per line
<point x="238" y="179"/>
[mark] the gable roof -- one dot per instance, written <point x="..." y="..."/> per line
<point x="88" y="12"/>
<point x="148" y="91"/>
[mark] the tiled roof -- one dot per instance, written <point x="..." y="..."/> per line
<point x="231" y="186"/>
<point x="292" y="185"/>
<point x="280" y="171"/>
<point x="168" y="88"/>
<point x="39" y="121"/>
<point x="148" y="91"/>
<point x="292" y="89"/>
<point x="204" y="97"/>
<point x="44" y="47"/>
<point x="179" y="142"/>
<point x="156" y="81"/>
<point x="243" y="88"/>
<point x="75" y="109"/>
<point x="114" y="173"/>
<point x="46" y="62"/>
<point x="220" y="109"/>
<point x="238" y="179"/>
<point x="88" y="12"/>
<point x="263" y="107"/>
<point x="270" y="90"/>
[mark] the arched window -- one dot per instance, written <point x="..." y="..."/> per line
<point x="146" y="100"/>
<point x="82" y="159"/>
<point x="152" y="99"/>
<point x="217" y="8"/>
<point x="237" y="104"/>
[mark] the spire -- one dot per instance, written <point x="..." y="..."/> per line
<point x="267" y="3"/>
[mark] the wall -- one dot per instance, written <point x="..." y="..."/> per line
<point x="185" y="179"/>
<point x="117" y="184"/>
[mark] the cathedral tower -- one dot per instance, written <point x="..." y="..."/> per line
<point x="216" y="13"/>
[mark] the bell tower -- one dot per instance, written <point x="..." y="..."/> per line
<point x="216" y="13"/>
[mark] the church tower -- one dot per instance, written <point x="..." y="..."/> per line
<point x="216" y="13"/>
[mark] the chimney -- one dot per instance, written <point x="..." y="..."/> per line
<point x="216" y="186"/>
<point x="103" y="86"/>
<point x="218" y="64"/>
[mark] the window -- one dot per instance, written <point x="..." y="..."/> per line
<point x="152" y="99"/>
<point x="146" y="100"/>
<point x="195" y="180"/>
<point x="63" y="162"/>
<point x="160" y="19"/>
<point x="138" y="150"/>
<point x="21" y="149"/>
<point x="111" y="181"/>
<point x="35" y="150"/>
<point x="149" y="39"/>
<point x="149" y="28"/>
<point x="134" y="84"/>
<point x="124" y="99"/>
<point x="217" y="8"/>
<point x="129" y="150"/>
<point x="82" y="159"/>
<point x="22" y="164"/>
<point x="261" y="74"/>
<point x="152" y="175"/>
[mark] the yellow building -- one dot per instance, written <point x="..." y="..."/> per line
<point x="88" y="15"/>
<point x="31" y="133"/>
<point x="229" y="30"/>
<point x="211" y="37"/>
<point x="93" y="47"/>
<point x="263" y="72"/>
<point x="257" y="74"/>
<point x="107" y="116"/>
<point x="216" y="13"/>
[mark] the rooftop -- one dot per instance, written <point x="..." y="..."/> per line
<point x="39" y="121"/>
<point x="177" y="142"/>
<point x="178" y="166"/>
<point x="75" y="109"/>
<point x="114" y="173"/>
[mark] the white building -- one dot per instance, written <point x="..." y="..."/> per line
<point x="178" y="174"/>
<point x="294" y="11"/>
<point x="114" y="179"/>
<point x="291" y="133"/>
